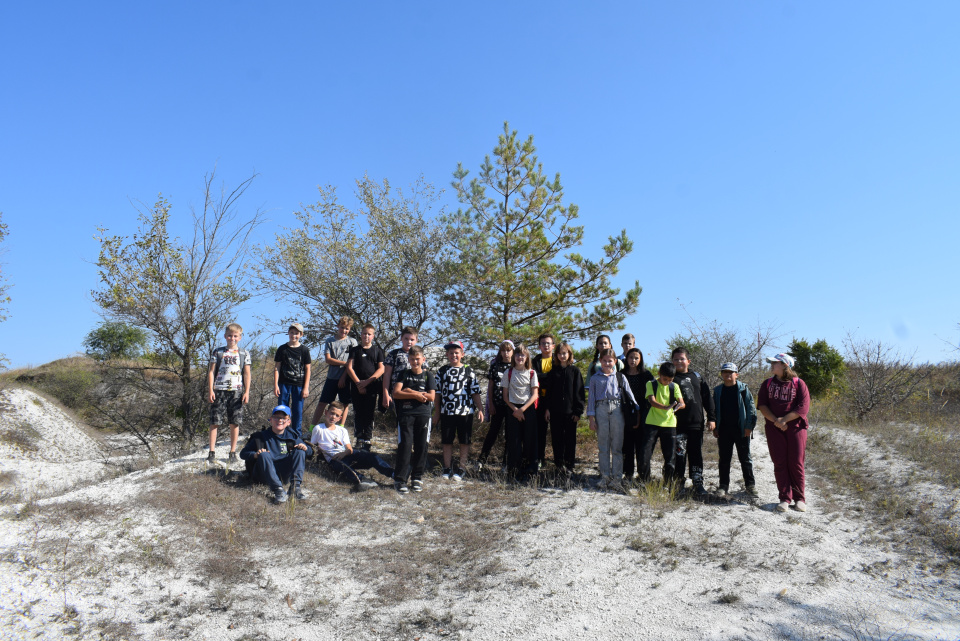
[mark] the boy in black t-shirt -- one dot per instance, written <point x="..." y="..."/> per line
<point x="291" y="375"/>
<point x="414" y="393"/>
<point x="364" y="368"/>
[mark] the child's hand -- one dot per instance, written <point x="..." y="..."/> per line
<point x="746" y="433"/>
<point x="306" y="392"/>
<point x="518" y="414"/>
<point x="480" y="415"/>
<point x="276" y="391"/>
<point x="212" y="397"/>
<point x="246" y="398"/>
<point x="385" y="401"/>
<point x="593" y="424"/>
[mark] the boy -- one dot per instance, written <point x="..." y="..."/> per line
<point x="627" y="343"/>
<point x="291" y="375"/>
<point x="459" y="400"/>
<point x="665" y="399"/>
<point x="414" y="392"/>
<point x="396" y="362"/>
<point x="736" y="419"/>
<point x="228" y="382"/>
<point x="336" y="351"/>
<point x="543" y="364"/>
<point x="690" y="420"/>
<point x="334" y="443"/>
<point x="364" y="369"/>
<point x="275" y="455"/>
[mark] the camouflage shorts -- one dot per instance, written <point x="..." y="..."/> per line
<point x="227" y="407"/>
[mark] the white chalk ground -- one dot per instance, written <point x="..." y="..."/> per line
<point x="593" y="566"/>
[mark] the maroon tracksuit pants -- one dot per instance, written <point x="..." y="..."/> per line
<point x="787" y="451"/>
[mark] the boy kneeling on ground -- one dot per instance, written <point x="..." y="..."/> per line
<point x="276" y="455"/>
<point x="334" y="443"/>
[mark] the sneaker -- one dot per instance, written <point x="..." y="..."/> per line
<point x="446" y="474"/>
<point x="752" y="491"/>
<point x="363" y="446"/>
<point x="298" y="493"/>
<point x="602" y="483"/>
<point x="401" y="487"/>
<point x="783" y="506"/>
<point x="211" y="457"/>
<point x="280" y="496"/>
<point x="233" y="457"/>
<point x="457" y="475"/>
<point x="417" y="485"/>
<point x="699" y="490"/>
<point x="800" y="506"/>
<point x="367" y="484"/>
<point x="722" y="492"/>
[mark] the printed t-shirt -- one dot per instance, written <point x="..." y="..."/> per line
<point x="495" y="374"/>
<point x="422" y="382"/>
<point x="230" y="375"/>
<point x="656" y="416"/>
<point x="330" y="441"/>
<point x="293" y="362"/>
<point x="338" y="350"/>
<point x="399" y="360"/>
<point x="456" y="386"/>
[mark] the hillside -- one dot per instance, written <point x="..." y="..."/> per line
<point x="175" y="551"/>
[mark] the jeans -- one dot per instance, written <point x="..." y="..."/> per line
<point x="668" y="446"/>
<point x="689" y="446"/>
<point x="274" y="470"/>
<point x="610" y="439"/>
<point x="292" y="397"/>
<point x="726" y="443"/>
<point x="787" y="451"/>
<point x="359" y="460"/>
<point x="413" y="432"/>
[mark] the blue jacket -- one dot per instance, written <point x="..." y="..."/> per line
<point x="747" y="408"/>
<point x="281" y="444"/>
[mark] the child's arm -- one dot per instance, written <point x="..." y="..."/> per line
<point x="276" y="379"/>
<point x="477" y="403"/>
<point x="401" y="393"/>
<point x="210" y="393"/>
<point x="245" y="377"/>
<point x="387" y="375"/>
<point x="376" y="374"/>
<point x="306" y="381"/>
<point x="353" y="375"/>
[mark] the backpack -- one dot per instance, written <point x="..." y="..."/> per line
<point x="631" y="411"/>
<point x="673" y="397"/>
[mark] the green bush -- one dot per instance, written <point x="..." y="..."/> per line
<point x="113" y="340"/>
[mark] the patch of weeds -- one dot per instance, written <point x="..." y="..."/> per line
<point x="24" y="438"/>
<point x="658" y="496"/>
<point x="223" y="598"/>
<point x="116" y="630"/>
<point x="729" y="598"/>
<point x="429" y="621"/>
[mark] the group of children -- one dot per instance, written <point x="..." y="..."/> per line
<point x="628" y="408"/>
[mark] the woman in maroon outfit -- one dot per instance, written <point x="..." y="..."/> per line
<point x="784" y="401"/>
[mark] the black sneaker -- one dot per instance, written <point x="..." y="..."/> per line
<point x="211" y="457"/>
<point x="401" y="487"/>
<point x="298" y="493"/>
<point x="446" y="474"/>
<point x="280" y="496"/>
<point x="417" y="485"/>
<point x="233" y="457"/>
<point x="699" y="490"/>
<point x="363" y="446"/>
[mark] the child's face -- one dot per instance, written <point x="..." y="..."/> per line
<point x="729" y="378"/>
<point x="633" y="360"/>
<point x="665" y="380"/>
<point x="603" y="343"/>
<point x="519" y="359"/>
<point x="342" y="330"/>
<point x="455" y="356"/>
<point x="294" y="335"/>
<point x="408" y="340"/>
<point x="416" y="361"/>
<point x="777" y="368"/>
<point x="279" y="422"/>
<point x="506" y="354"/>
<point x="681" y="362"/>
<point x="232" y="338"/>
<point x="627" y="344"/>
<point x="607" y="364"/>
<point x="563" y="355"/>
<point x="332" y="416"/>
<point x="546" y="347"/>
<point x="366" y="337"/>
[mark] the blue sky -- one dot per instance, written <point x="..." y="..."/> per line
<point x="792" y="163"/>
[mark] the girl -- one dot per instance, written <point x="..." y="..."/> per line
<point x="520" y="395"/>
<point x="497" y="408"/>
<point x="565" y="407"/>
<point x="637" y="376"/>
<point x="603" y="342"/>
<point x="606" y="417"/>
<point x="784" y="401"/>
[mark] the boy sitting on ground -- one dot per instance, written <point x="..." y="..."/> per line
<point x="276" y="455"/>
<point x="334" y="442"/>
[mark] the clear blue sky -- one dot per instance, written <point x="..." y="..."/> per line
<point x="792" y="162"/>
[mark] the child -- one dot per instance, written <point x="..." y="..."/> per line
<point x="496" y="407"/>
<point x="603" y="342"/>
<point x="736" y="419"/>
<point x="459" y="400"/>
<point x="396" y="362"/>
<point x="664" y="398"/>
<point x="334" y="443"/>
<point x="637" y="377"/>
<point x="364" y="368"/>
<point x="566" y="405"/>
<point x="291" y="375"/>
<point x="228" y="383"/>
<point x="627" y="343"/>
<point x="336" y="351"/>
<point x="607" y="391"/>
<point x="543" y="364"/>
<point x="275" y="455"/>
<point x="520" y="395"/>
<point x="414" y="392"/>
<point x="699" y="412"/>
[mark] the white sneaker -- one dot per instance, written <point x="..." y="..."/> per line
<point x="783" y="507"/>
<point x="800" y="506"/>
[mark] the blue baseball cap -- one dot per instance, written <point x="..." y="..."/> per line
<point x="281" y="408"/>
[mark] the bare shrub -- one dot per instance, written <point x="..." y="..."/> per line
<point x="879" y="378"/>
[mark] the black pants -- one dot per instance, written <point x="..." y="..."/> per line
<point x="726" y="443"/>
<point x="497" y="421"/>
<point x="522" y="441"/>
<point x="668" y="446"/>
<point x="632" y="449"/>
<point x="364" y="410"/>
<point x="563" y="429"/>
<point x="413" y="432"/>
<point x="690" y="447"/>
<point x="346" y="468"/>
<point x="542" y="426"/>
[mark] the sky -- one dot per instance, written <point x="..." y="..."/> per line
<point x="792" y="164"/>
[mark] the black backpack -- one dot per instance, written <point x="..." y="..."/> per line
<point x="631" y="411"/>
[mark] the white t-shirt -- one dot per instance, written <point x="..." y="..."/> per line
<point x="521" y="384"/>
<point x="230" y="374"/>
<point x="330" y="441"/>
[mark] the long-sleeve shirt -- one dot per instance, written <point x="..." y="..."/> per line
<point x="605" y="387"/>
<point x="783" y="397"/>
